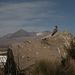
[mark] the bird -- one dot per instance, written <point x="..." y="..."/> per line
<point x="55" y="30"/>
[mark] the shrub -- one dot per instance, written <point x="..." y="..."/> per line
<point x="71" y="50"/>
<point x="1" y="71"/>
<point x="45" y="67"/>
<point x="67" y="69"/>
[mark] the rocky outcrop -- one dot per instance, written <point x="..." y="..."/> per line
<point x="49" y="47"/>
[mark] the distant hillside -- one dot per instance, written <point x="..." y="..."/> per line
<point x="19" y="36"/>
<point x="22" y="33"/>
<point x="49" y="47"/>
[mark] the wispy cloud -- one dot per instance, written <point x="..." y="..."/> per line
<point x="27" y="15"/>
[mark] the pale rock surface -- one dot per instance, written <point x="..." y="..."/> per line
<point x="49" y="47"/>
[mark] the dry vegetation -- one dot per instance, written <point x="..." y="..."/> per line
<point x="1" y="71"/>
<point x="31" y="50"/>
<point x="71" y="50"/>
<point x="45" y="67"/>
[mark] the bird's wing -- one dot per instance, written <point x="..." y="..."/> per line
<point x="55" y="30"/>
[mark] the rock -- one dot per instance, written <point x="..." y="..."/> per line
<point x="50" y="47"/>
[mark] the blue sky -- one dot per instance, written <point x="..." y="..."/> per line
<point x="36" y="15"/>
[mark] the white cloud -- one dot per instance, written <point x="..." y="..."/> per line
<point x="14" y="16"/>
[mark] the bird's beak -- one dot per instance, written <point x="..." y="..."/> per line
<point x="55" y="26"/>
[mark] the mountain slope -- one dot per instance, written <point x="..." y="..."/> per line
<point x="22" y="33"/>
<point x="19" y="36"/>
<point x="49" y="47"/>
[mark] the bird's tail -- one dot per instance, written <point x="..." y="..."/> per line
<point x="52" y="34"/>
